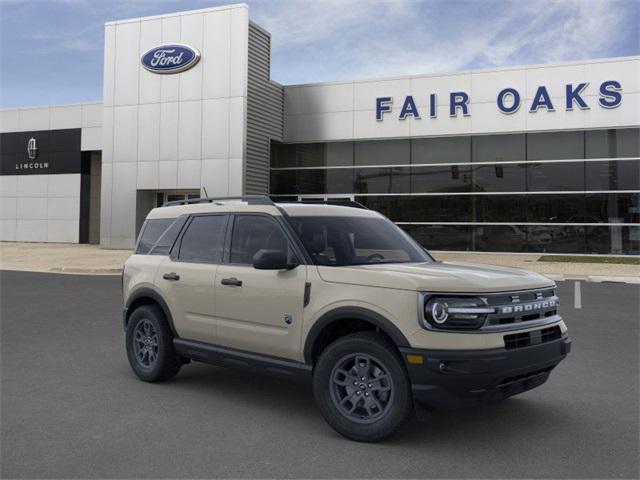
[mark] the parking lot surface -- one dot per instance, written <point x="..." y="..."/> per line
<point x="72" y="408"/>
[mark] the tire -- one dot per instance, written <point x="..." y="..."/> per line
<point x="152" y="357"/>
<point x="384" y="402"/>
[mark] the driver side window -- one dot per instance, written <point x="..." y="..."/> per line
<point x="252" y="233"/>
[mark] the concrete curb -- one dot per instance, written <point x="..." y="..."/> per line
<point x="558" y="277"/>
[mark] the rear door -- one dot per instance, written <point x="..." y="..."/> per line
<point x="187" y="276"/>
<point x="259" y="310"/>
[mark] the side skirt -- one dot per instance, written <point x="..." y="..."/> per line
<point x="228" y="357"/>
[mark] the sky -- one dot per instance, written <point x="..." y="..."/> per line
<point x="51" y="51"/>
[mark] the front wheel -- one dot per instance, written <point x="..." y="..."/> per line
<point x="362" y="388"/>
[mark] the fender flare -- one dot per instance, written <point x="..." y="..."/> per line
<point x="156" y="297"/>
<point x="351" y="313"/>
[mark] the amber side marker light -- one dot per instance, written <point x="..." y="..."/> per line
<point x="415" y="359"/>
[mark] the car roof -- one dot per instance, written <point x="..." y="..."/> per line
<point x="276" y="209"/>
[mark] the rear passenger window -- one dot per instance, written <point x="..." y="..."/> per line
<point x="167" y="239"/>
<point x="252" y="233"/>
<point x="151" y="233"/>
<point x="203" y="240"/>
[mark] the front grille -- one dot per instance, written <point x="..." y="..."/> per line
<point x="519" y="307"/>
<point x="535" y="337"/>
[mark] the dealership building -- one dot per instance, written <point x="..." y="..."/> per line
<point x="541" y="158"/>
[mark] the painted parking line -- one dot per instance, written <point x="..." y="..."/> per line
<point x="577" y="295"/>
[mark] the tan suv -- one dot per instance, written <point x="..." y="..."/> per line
<point x="337" y="295"/>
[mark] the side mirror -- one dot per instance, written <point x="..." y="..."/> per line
<point x="272" y="260"/>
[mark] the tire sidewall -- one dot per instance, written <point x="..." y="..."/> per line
<point x="166" y="358"/>
<point x="379" y="348"/>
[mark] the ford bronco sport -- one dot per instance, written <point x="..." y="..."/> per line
<point x="337" y="295"/>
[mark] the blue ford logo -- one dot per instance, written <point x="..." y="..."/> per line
<point x="172" y="58"/>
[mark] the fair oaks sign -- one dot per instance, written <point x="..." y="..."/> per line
<point x="508" y="100"/>
<point x="173" y="58"/>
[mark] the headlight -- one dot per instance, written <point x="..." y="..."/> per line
<point x="455" y="313"/>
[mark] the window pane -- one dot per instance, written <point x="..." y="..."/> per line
<point x="283" y="155"/>
<point x="555" y="145"/>
<point x="500" y="238"/>
<point x="567" y="208"/>
<point x="441" y="237"/>
<point x="168" y="238"/>
<point x="499" y="208"/>
<point x="339" y="154"/>
<point x="499" y="178"/>
<point x="499" y="148"/>
<point x="382" y="180"/>
<point x="283" y="182"/>
<point x="310" y="155"/>
<point x="425" y="208"/>
<point x="544" y="177"/>
<point x="446" y="178"/>
<point x="204" y="239"/>
<point x="613" y="143"/>
<point x="441" y="150"/>
<point x="252" y="233"/>
<point x="614" y="240"/>
<point x="382" y="152"/>
<point x="613" y="175"/>
<point x="151" y="232"/>
<point x="556" y="239"/>
<point x="613" y="207"/>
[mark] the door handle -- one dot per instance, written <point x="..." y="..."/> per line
<point x="173" y="276"/>
<point x="232" y="282"/>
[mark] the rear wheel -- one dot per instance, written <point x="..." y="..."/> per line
<point x="149" y="343"/>
<point x="361" y="387"/>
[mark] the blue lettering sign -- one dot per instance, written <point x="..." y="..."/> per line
<point x="458" y="100"/>
<point x="515" y="102"/>
<point x="409" y="108"/>
<point x="433" y="106"/>
<point x="610" y="96"/>
<point x="383" y="104"/>
<point x="541" y="99"/>
<point x="573" y="95"/>
<point x="172" y="58"/>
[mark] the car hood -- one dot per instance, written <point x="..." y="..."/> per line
<point x="437" y="277"/>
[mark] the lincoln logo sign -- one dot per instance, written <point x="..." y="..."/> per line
<point x="172" y="58"/>
<point x="508" y="101"/>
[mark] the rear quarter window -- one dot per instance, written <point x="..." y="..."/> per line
<point x="152" y="230"/>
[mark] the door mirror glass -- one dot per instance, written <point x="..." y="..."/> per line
<point x="272" y="260"/>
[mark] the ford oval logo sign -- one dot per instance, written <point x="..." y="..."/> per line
<point x="173" y="58"/>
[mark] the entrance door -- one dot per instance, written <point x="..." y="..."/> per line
<point x="259" y="310"/>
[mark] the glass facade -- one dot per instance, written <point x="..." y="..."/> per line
<point x="564" y="192"/>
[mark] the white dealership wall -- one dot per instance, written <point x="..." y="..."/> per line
<point x="46" y="208"/>
<point x="347" y="110"/>
<point x="180" y="131"/>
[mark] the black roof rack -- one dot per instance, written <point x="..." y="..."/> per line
<point x="322" y="201"/>
<point x="250" y="199"/>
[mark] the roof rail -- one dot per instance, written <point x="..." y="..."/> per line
<point x="330" y="201"/>
<point x="250" y="199"/>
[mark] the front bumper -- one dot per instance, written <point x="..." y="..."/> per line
<point x="451" y="379"/>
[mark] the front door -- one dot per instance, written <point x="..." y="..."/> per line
<point x="187" y="279"/>
<point x="259" y="310"/>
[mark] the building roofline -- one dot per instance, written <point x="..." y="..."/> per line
<point x="179" y="14"/>
<point x="467" y="72"/>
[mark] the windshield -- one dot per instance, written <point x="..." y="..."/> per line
<point x="343" y="241"/>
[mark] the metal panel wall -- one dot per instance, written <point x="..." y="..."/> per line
<point x="265" y="112"/>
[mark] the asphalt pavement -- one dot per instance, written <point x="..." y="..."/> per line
<point x="72" y="408"/>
